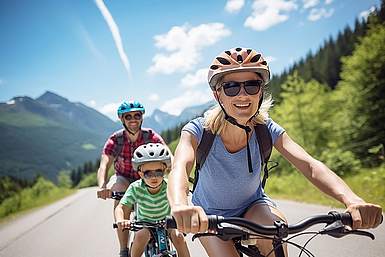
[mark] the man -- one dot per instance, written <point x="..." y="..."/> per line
<point x="118" y="150"/>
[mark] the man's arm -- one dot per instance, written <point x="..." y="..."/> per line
<point x="105" y="164"/>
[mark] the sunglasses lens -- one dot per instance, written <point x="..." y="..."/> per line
<point x="153" y="173"/>
<point x="137" y="116"/>
<point x="231" y="88"/>
<point x="252" y="87"/>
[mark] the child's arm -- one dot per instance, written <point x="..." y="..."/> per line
<point x="122" y="211"/>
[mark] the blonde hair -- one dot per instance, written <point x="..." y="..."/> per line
<point x="214" y="119"/>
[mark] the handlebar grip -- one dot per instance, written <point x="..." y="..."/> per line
<point x="170" y="222"/>
<point x="212" y="220"/>
<point x="346" y="218"/>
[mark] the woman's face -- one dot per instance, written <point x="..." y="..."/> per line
<point x="243" y="105"/>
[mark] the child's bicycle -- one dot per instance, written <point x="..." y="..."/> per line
<point x="160" y="243"/>
<point x="241" y="230"/>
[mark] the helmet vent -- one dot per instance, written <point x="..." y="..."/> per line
<point x="249" y="51"/>
<point x="139" y="155"/>
<point x="228" y="53"/>
<point x="239" y="58"/>
<point x="214" y="67"/>
<point x="264" y="63"/>
<point x="161" y="152"/>
<point x="151" y="153"/>
<point x="238" y="49"/>
<point x="255" y="58"/>
<point x="223" y="61"/>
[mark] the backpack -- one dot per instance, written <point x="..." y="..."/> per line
<point x="120" y="140"/>
<point x="265" y="147"/>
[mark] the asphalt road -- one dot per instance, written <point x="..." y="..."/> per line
<point x="80" y="226"/>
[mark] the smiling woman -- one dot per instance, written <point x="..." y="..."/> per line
<point x="228" y="185"/>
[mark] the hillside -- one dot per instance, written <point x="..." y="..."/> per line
<point x="48" y="134"/>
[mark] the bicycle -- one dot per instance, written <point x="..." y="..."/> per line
<point x="241" y="230"/>
<point x="160" y="243"/>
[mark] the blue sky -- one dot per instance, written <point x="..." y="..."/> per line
<point x="156" y="51"/>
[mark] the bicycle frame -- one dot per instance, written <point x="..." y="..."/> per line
<point x="159" y="244"/>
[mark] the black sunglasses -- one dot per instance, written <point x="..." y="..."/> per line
<point x="153" y="173"/>
<point x="232" y="88"/>
<point x="136" y="116"/>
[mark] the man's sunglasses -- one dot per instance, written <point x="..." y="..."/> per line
<point x="153" y="173"/>
<point x="232" y="88"/>
<point x="136" y="116"/>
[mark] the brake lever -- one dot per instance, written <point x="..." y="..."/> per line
<point x="202" y="234"/>
<point x="337" y="229"/>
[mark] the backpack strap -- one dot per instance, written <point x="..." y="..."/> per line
<point x="202" y="153"/>
<point x="147" y="135"/>
<point x="265" y="146"/>
<point x="120" y="140"/>
<point x="119" y="143"/>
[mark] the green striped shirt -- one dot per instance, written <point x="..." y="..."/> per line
<point x="151" y="207"/>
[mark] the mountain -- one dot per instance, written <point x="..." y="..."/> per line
<point x="49" y="134"/>
<point x="161" y="121"/>
<point x="79" y="114"/>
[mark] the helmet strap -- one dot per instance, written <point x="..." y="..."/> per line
<point x="153" y="187"/>
<point x="247" y="129"/>
<point x="129" y="131"/>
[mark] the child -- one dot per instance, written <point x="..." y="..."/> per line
<point x="149" y="193"/>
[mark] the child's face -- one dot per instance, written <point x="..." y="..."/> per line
<point x="152" y="173"/>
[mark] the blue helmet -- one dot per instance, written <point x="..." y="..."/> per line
<point x="130" y="106"/>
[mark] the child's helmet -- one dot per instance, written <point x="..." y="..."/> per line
<point x="151" y="152"/>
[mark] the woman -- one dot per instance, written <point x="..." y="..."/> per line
<point x="229" y="185"/>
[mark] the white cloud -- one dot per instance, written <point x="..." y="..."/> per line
<point x="267" y="13"/>
<point x="115" y="34"/>
<point x="189" y="98"/>
<point x="110" y="110"/>
<point x="92" y="103"/>
<point x="328" y="1"/>
<point x="270" y="59"/>
<point x="183" y="46"/>
<point x="309" y="3"/>
<point x="316" y="14"/>
<point x="365" y="14"/>
<point x="233" y="6"/>
<point x="191" y="80"/>
<point x="153" y="97"/>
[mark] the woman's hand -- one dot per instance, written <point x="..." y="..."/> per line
<point x="190" y="219"/>
<point x="123" y="224"/>
<point x="365" y="215"/>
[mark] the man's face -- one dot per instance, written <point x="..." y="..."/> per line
<point x="133" y="120"/>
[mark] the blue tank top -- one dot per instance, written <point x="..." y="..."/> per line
<point x="225" y="186"/>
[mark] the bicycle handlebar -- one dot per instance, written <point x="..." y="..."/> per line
<point x="280" y="229"/>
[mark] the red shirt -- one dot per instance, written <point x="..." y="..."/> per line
<point x="122" y="163"/>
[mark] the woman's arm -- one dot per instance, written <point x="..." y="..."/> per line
<point x="188" y="218"/>
<point x="364" y="215"/>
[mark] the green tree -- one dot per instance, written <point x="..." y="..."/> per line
<point x="64" y="179"/>
<point x="362" y="92"/>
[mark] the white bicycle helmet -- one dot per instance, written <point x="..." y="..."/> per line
<point x="151" y="152"/>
